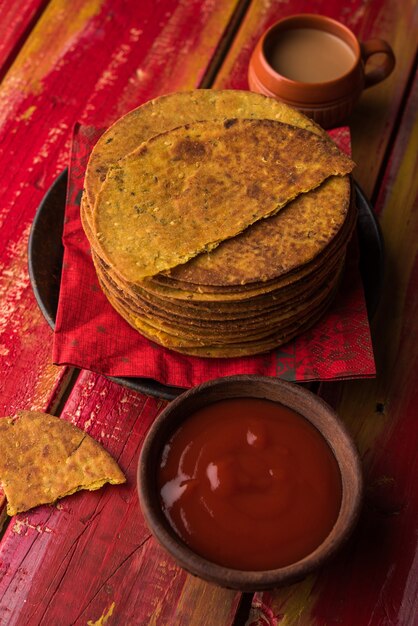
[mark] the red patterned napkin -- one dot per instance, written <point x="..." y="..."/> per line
<point x="91" y="335"/>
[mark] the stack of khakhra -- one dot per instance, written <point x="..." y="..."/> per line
<point x="218" y="221"/>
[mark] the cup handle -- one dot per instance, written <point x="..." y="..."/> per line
<point x="379" y="73"/>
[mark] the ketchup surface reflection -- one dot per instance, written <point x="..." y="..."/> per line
<point x="250" y="484"/>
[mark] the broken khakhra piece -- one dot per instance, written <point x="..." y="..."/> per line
<point x="43" y="458"/>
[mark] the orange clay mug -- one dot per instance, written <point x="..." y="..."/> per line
<point x="317" y="65"/>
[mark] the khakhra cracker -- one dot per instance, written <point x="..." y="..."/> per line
<point x="44" y="458"/>
<point x="185" y="191"/>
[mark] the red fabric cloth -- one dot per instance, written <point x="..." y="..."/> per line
<point x="90" y="334"/>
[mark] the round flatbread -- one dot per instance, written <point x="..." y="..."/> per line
<point x="185" y="191"/>
<point x="176" y="109"/>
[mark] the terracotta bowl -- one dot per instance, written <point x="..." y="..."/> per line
<point x="295" y="397"/>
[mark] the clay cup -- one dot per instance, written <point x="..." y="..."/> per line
<point x="329" y="102"/>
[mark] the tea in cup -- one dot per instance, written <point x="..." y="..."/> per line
<point x="317" y="65"/>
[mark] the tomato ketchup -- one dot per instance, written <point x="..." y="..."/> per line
<point x="249" y="484"/>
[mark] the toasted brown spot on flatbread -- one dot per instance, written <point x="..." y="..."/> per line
<point x="189" y="150"/>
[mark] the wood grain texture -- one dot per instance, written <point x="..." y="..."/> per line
<point x="91" y="559"/>
<point x="373" y="119"/>
<point x="374" y="580"/>
<point x="89" y="60"/>
<point x="17" y="20"/>
<point x="91" y="552"/>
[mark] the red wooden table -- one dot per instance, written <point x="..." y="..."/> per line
<point x="90" y="558"/>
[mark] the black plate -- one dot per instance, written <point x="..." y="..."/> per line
<point x="46" y="252"/>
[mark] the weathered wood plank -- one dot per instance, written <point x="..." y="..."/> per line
<point x="178" y="602"/>
<point x="17" y="20"/>
<point x="95" y="546"/>
<point x="89" y="60"/>
<point x="374" y="580"/>
<point x="375" y="115"/>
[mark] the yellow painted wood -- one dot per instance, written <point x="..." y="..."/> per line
<point x="49" y="39"/>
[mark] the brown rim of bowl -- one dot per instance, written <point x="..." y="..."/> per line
<point x="304" y="402"/>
